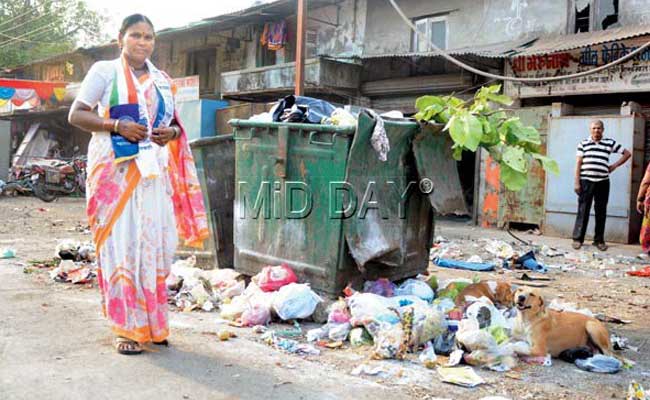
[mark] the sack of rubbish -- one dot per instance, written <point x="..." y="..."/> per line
<point x="360" y="337"/>
<point x="389" y="342"/>
<point x="369" y="307"/>
<point x="271" y="278"/>
<point x="256" y="314"/>
<point x="295" y="301"/>
<point x="415" y="287"/>
<point x="427" y="325"/>
<point x="339" y="332"/>
<point x="382" y="287"/>
<point x="600" y="364"/>
<point x="338" y="313"/>
<point x="234" y="310"/>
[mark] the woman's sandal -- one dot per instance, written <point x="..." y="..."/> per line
<point x="127" y="346"/>
<point x="162" y="343"/>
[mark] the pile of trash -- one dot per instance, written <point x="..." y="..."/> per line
<point x="77" y="262"/>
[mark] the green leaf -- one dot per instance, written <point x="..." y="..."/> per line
<point x="458" y="153"/>
<point x="515" y="158"/>
<point x="466" y="130"/>
<point x="500" y="99"/>
<point x="513" y="180"/>
<point x="490" y="135"/>
<point x="433" y="110"/>
<point x="549" y="164"/>
<point x="422" y="103"/>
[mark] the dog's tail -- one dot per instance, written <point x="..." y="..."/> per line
<point x="599" y="337"/>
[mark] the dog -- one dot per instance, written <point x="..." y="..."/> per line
<point x="552" y="332"/>
<point x="499" y="293"/>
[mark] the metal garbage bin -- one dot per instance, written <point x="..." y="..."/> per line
<point x="295" y="188"/>
<point x="214" y="158"/>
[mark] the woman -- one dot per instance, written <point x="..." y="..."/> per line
<point x="643" y="207"/>
<point x="138" y="204"/>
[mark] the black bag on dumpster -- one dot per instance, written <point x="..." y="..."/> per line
<point x="308" y="109"/>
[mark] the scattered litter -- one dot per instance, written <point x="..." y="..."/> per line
<point x="645" y="272"/>
<point x="475" y="259"/>
<point x="428" y="356"/>
<point x="635" y="392"/>
<point x="462" y="376"/>
<point x="547" y="251"/>
<point x="360" y="337"/>
<point x="72" y="272"/>
<point x="381" y="287"/>
<point x="481" y="267"/>
<point x="415" y="287"/>
<point x="365" y="369"/>
<point x="621" y="343"/>
<point x="7" y="253"/>
<point x="289" y="345"/>
<point x="600" y="364"/>
<point x="500" y="249"/>
<point x="529" y="261"/>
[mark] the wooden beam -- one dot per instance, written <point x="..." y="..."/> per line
<point x="300" y="47"/>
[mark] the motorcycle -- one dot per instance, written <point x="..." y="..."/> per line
<point x="48" y="180"/>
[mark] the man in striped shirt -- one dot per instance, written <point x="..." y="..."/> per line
<point x="592" y="182"/>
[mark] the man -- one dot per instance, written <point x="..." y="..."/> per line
<point x="592" y="182"/>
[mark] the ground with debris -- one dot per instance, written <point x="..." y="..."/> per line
<point x="55" y="343"/>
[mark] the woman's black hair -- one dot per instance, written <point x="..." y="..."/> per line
<point x="132" y="20"/>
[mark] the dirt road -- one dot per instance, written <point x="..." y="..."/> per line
<point x="54" y="343"/>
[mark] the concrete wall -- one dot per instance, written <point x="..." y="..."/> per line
<point x="634" y="12"/>
<point x="470" y="22"/>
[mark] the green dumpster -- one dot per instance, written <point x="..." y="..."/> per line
<point x="215" y="163"/>
<point x="317" y="198"/>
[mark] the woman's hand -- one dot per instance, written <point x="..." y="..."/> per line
<point x="161" y="136"/>
<point x="640" y="206"/>
<point x="132" y="131"/>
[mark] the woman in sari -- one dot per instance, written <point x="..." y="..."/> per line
<point x="139" y="202"/>
<point x="643" y="207"/>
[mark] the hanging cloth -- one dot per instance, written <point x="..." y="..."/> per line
<point x="7" y="93"/>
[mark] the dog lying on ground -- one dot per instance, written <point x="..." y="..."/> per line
<point x="499" y="293"/>
<point x="551" y="331"/>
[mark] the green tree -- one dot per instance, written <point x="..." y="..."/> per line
<point x="35" y="29"/>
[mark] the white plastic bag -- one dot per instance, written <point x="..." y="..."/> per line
<point x="415" y="287"/>
<point x="295" y="301"/>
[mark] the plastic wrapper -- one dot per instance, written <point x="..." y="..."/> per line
<point x="339" y="332"/>
<point x="428" y="356"/>
<point x="368" y="307"/>
<point x="295" y="301"/>
<point x="338" y="313"/>
<point x="234" y="309"/>
<point x="427" y="325"/>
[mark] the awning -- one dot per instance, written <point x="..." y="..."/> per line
<point x="20" y="91"/>
<point x="560" y="43"/>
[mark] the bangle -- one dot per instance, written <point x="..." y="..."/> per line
<point x="177" y="131"/>
<point x="116" y="126"/>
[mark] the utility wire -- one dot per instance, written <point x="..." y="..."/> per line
<point x="3" y="33"/>
<point x="513" y="78"/>
<point x="42" y="29"/>
<point x="16" y="17"/>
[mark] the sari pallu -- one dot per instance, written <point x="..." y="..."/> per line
<point x="644" y="238"/>
<point x="136" y="219"/>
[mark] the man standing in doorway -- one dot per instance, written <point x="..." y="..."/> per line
<point x="592" y="182"/>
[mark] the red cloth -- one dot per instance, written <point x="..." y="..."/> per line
<point x="44" y="89"/>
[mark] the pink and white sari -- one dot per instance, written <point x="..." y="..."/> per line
<point x="138" y="209"/>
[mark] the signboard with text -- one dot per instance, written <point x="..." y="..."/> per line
<point x="630" y="76"/>
<point x="187" y="88"/>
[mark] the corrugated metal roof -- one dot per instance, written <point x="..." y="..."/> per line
<point x="496" y="50"/>
<point x="555" y="44"/>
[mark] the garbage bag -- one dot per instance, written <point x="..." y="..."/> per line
<point x="388" y="341"/>
<point x="271" y="278"/>
<point x="339" y="332"/>
<point x="381" y="287"/>
<point x="313" y="110"/>
<point x="369" y="307"/>
<point x="427" y="325"/>
<point x="234" y="309"/>
<point x="601" y="364"/>
<point x="295" y="301"/>
<point x="256" y="314"/>
<point x="415" y="287"/>
<point x="360" y="337"/>
<point x="338" y="313"/>
<point x="445" y="344"/>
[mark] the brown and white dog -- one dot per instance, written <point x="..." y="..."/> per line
<point x="552" y="332"/>
<point x="499" y="293"/>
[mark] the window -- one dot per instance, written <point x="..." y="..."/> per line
<point x="432" y="29"/>
<point x="311" y="43"/>
<point x="593" y="15"/>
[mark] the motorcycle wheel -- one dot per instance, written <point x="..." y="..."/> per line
<point x="42" y="193"/>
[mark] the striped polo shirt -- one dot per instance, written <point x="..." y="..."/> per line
<point x="595" y="158"/>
